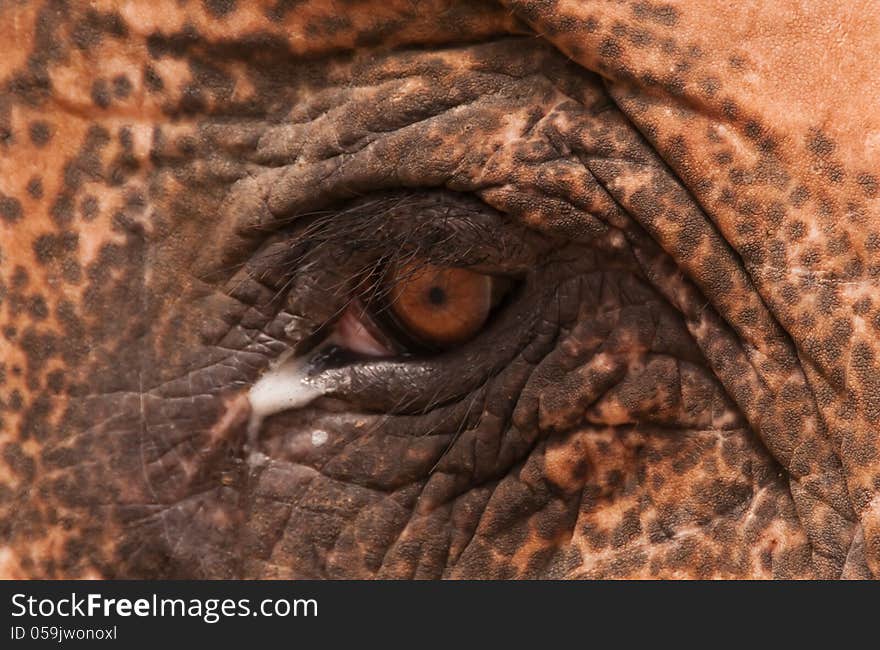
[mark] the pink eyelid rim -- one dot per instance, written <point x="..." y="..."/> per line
<point x="351" y="333"/>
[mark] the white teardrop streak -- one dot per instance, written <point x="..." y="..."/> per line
<point x="284" y="387"/>
<point x="281" y="388"/>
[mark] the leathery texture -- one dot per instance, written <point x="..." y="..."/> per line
<point x="684" y="384"/>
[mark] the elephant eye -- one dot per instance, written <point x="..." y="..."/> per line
<point x="423" y="307"/>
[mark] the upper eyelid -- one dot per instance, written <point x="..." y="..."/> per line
<point x="437" y="226"/>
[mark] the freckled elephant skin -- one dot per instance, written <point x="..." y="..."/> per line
<point x="686" y="384"/>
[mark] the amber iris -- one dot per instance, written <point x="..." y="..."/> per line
<point x="437" y="305"/>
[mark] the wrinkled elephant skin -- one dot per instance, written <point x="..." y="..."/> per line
<point x="682" y="382"/>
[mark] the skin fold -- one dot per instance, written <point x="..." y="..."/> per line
<point x="684" y="384"/>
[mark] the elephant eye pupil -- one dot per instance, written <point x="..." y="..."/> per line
<point x="436" y="296"/>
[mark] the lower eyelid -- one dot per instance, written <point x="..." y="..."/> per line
<point x="409" y="385"/>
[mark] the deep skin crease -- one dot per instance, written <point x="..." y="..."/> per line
<point x="685" y="384"/>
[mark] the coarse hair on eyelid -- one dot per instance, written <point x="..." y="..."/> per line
<point x="411" y="229"/>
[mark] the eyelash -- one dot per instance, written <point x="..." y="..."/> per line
<point x="437" y="227"/>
